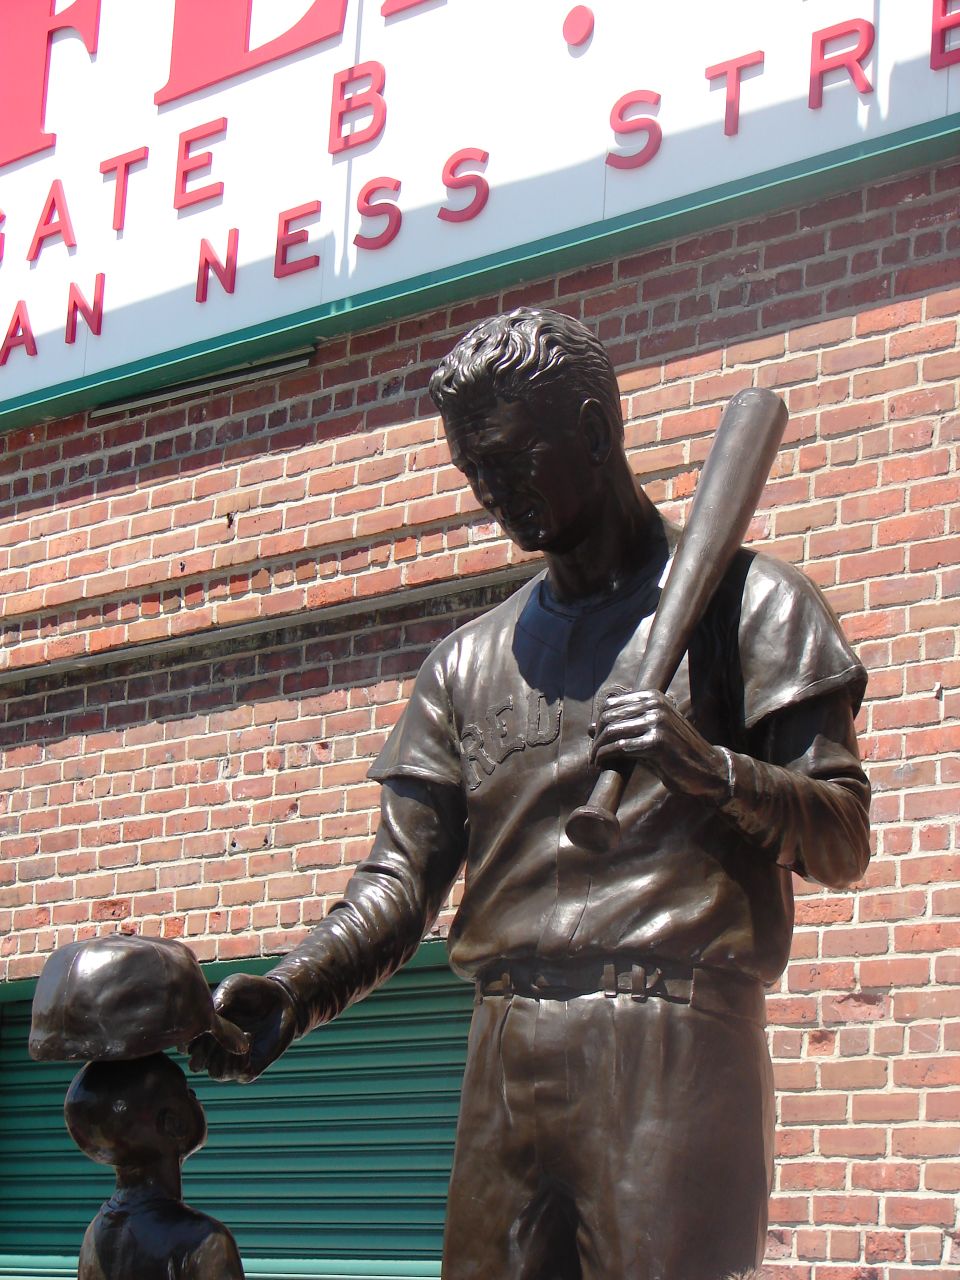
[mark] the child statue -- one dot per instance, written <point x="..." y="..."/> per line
<point x="141" y="1117"/>
<point x="118" y="1003"/>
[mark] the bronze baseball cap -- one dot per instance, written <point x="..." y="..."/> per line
<point x="124" y="997"/>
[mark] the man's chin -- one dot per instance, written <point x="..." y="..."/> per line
<point x="546" y="541"/>
<point x="529" y="539"/>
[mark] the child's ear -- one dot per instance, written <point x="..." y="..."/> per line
<point x="183" y="1125"/>
<point x="172" y="1123"/>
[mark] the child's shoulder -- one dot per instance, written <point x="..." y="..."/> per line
<point x="207" y="1246"/>
<point x="162" y="1238"/>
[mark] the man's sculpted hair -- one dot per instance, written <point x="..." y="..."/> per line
<point x="543" y="358"/>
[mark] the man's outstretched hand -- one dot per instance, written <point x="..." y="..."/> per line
<point x="262" y="1008"/>
<point x="646" y="727"/>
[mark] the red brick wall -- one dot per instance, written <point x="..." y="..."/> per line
<point x="216" y="790"/>
<point x="217" y="795"/>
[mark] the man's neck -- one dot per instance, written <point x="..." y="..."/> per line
<point x="629" y="536"/>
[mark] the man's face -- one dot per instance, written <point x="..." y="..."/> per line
<point x="539" y="481"/>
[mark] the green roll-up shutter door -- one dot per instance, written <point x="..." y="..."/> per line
<point x="340" y="1152"/>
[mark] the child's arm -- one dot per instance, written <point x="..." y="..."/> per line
<point x="216" y="1258"/>
<point x="89" y="1267"/>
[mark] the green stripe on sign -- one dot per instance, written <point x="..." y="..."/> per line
<point x="790" y="184"/>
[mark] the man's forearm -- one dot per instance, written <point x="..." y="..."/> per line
<point x="802" y="795"/>
<point x="818" y="827"/>
<point x="366" y="937"/>
<point x="390" y="902"/>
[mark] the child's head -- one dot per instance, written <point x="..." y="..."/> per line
<point x="134" y="1112"/>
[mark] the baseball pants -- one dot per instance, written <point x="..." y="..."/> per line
<point x="610" y="1139"/>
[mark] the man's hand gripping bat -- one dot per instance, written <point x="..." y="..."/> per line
<point x="731" y="482"/>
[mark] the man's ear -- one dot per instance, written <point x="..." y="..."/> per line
<point x="596" y="431"/>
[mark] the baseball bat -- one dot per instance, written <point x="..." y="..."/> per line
<point x="731" y="482"/>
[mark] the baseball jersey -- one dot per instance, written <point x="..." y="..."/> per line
<point x="502" y="710"/>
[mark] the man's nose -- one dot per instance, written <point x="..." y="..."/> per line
<point x="493" y="485"/>
<point x="491" y="488"/>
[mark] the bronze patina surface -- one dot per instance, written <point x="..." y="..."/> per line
<point x="120" y="1001"/>
<point x="141" y="1117"/>
<point x="617" y="1112"/>
<point x="123" y="997"/>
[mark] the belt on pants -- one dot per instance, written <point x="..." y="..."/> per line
<point x="710" y="990"/>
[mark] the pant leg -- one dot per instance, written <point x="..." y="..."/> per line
<point x="669" y="1116"/>
<point x="503" y="1221"/>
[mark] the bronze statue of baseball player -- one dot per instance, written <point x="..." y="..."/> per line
<point x="617" y="1112"/>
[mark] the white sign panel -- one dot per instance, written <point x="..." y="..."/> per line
<point x="176" y="175"/>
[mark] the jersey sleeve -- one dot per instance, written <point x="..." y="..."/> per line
<point x="88" y="1266"/>
<point x="216" y="1258"/>
<point x="424" y="743"/>
<point x="790" y="642"/>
